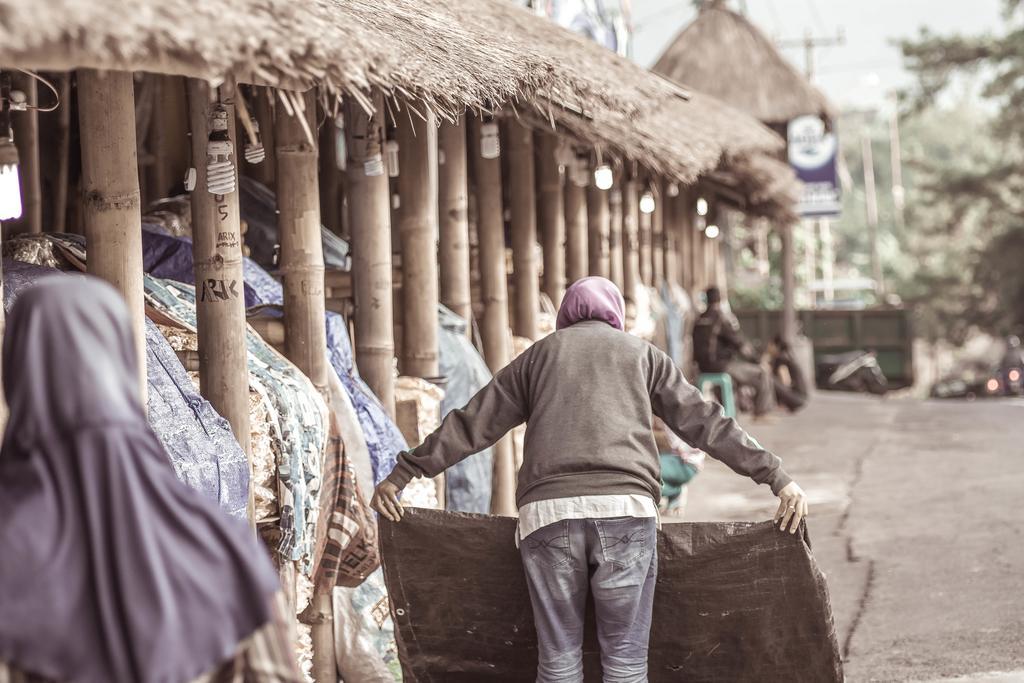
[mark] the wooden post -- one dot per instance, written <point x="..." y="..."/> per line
<point x="111" y="209"/>
<point x="302" y="270"/>
<point x="645" y="238"/>
<point x="575" y="199"/>
<point x="523" y="207"/>
<point x="788" y="284"/>
<point x="598" y="232"/>
<point x="168" y="129"/>
<point x="220" y="300"/>
<point x="551" y="215"/>
<point x="631" y="241"/>
<point x="494" y="292"/>
<point x="417" y="187"/>
<point x="658" y="232"/>
<point x="668" y="210"/>
<point x="26" y="137"/>
<point x="453" y="204"/>
<point x="330" y="176"/>
<point x="369" y="207"/>
<point x="265" y="105"/>
<point x="615" y="236"/>
<point x="63" y="147"/>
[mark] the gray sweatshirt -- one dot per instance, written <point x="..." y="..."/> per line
<point x="587" y="394"/>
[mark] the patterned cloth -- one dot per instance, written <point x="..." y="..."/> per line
<point x="346" y="535"/>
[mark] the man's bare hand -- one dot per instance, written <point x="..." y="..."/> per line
<point x="385" y="501"/>
<point x="792" y="507"/>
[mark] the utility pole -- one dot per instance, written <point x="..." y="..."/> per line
<point x="896" y="159"/>
<point x="871" y="210"/>
<point x="810" y="43"/>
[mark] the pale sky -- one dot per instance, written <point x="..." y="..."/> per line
<point x="857" y="74"/>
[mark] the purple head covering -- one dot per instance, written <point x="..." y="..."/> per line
<point x="592" y="298"/>
<point x="111" y="570"/>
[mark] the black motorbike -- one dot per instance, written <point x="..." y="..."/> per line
<point x="851" y="371"/>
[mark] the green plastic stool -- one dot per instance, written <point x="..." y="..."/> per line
<point x="723" y="381"/>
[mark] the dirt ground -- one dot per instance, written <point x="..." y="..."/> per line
<point x="917" y="519"/>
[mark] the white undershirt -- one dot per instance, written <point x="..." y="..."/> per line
<point x="533" y="516"/>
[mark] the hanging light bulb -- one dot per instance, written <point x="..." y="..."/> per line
<point x="647" y="202"/>
<point x="603" y="177"/>
<point x="490" y="141"/>
<point x="712" y="231"/>
<point x="702" y="207"/>
<point x="391" y="153"/>
<point x="673" y="189"/>
<point x="253" y="151"/>
<point x="10" y="184"/>
<point x="220" y="171"/>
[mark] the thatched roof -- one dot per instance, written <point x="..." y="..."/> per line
<point x="414" y="47"/>
<point x="762" y="184"/>
<point x="721" y="53"/>
<point x="446" y="54"/>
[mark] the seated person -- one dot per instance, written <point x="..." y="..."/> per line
<point x="718" y="346"/>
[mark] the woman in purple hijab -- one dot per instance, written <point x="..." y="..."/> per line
<point x="590" y="481"/>
<point x="112" y="570"/>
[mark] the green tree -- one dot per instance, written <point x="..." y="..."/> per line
<point x="966" y="222"/>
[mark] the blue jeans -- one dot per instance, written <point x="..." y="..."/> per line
<point x="617" y="559"/>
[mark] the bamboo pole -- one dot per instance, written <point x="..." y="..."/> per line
<point x="111" y="200"/>
<point x="615" y="236"/>
<point x="658" y="233"/>
<point x="169" y="127"/>
<point x="788" y="284"/>
<point x="453" y="204"/>
<point x="598" y="232"/>
<point x="669" y="211"/>
<point x="551" y="215"/>
<point x="26" y="138"/>
<point x="301" y="264"/>
<point x="302" y="269"/>
<point x="631" y="241"/>
<point x="63" y="145"/>
<point x="330" y="177"/>
<point x="220" y="301"/>
<point x="523" y="207"/>
<point x="418" y="231"/>
<point x="645" y="244"/>
<point x="369" y="211"/>
<point x="494" y="292"/>
<point x="575" y="200"/>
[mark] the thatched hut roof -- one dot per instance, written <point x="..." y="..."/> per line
<point x="759" y="185"/>
<point x="721" y="53"/>
<point x="413" y="47"/>
<point x="447" y="55"/>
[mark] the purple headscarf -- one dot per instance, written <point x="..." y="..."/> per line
<point x="592" y="298"/>
<point x="111" y="570"/>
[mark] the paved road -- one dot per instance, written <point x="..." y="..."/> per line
<point x="918" y="522"/>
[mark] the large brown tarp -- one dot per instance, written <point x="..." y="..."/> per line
<point x="734" y="602"/>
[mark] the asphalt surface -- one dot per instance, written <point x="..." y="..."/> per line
<point x="917" y="519"/>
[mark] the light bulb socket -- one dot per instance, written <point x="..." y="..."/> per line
<point x="391" y="152"/>
<point x="490" y="140"/>
<point x="8" y="152"/>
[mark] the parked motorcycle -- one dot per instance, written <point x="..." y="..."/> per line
<point x="851" y="371"/>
